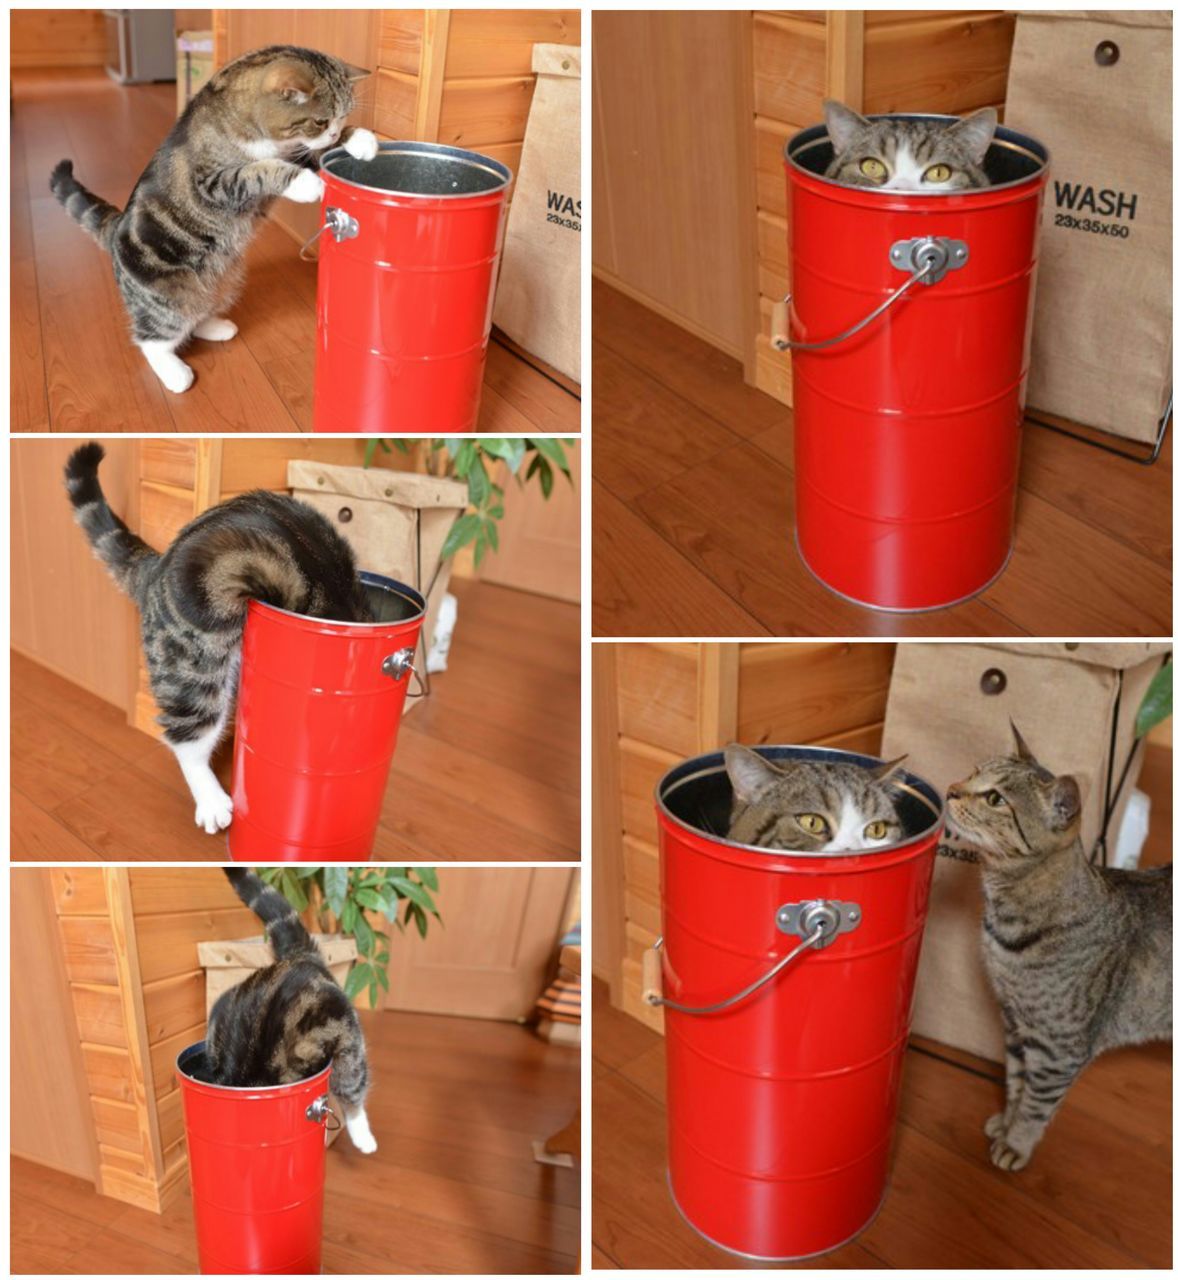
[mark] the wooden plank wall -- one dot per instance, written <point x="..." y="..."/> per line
<point x="677" y="700"/>
<point x="938" y="61"/>
<point x="128" y="940"/>
<point x="57" y="38"/>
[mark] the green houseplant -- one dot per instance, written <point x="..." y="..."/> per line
<point x="460" y="458"/>
<point x="342" y="895"/>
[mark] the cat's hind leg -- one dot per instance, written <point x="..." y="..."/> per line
<point x="214" y="808"/>
<point x="215" y="329"/>
<point x="349" y="1082"/>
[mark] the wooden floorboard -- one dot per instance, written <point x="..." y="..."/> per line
<point x="487" y="768"/>
<point x="693" y="498"/>
<point x="1096" y="1194"/>
<point x="453" y="1187"/>
<point x="73" y="366"/>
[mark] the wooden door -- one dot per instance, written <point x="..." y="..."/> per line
<point x="540" y="541"/>
<point x="493" y="956"/>
<point x="51" y="1120"/>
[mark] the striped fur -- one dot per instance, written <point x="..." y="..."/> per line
<point x="193" y="598"/>
<point x="253" y="133"/>
<point x="1079" y="957"/>
<point x="909" y="155"/>
<point x="810" y="806"/>
<point x="288" y="1021"/>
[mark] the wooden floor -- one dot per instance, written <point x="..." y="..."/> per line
<point x="452" y="1188"/>
<point x="73" y="366"/>
<point x="487" y="768"/>
<point x="693" y="513"/>
<point x="1097" y="1193"/>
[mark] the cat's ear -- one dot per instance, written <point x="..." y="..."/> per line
<point x="748" y="772"/>
<point x="842" y="124"/>
<point x="889" y="770"/>
<point x="1021" y="750"/>
<point x="975" y="132"/>
<point x="1065" y="802"/>
<point x="289" y="80"/>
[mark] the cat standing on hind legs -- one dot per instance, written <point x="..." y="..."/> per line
<point x="1080" y="957"/>
<point x="252" y="134"/>
<point x="193" y="599"/>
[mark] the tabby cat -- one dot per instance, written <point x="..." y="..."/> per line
<point x="909" y="155"/>
<point x="254" y="132"/>
<point x="193" y="598"/>
<point x="1078" y="956"/>
<point x="810" y="806"/>
<point x="288" y="1021"/>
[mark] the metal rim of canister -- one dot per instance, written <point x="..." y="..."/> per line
<point x="1008" y="139"/>
<point x="199" y="1048"/>
<point x="407" y="593"/>
<point x="437" y="149"/>
<point x="712" y="762"/>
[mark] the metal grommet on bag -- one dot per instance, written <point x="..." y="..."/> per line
<point x="993" y="681"/>
<point x="1107" y="53"/>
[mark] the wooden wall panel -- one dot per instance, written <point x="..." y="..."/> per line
<point x="498" y="42"/>
<point x="57" y="38"/>
<point x="399" y="47"/>
<point x="656" y="694"/>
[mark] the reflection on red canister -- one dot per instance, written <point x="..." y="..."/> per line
<point x="781" y="1097"/>
<point x="256" y="1160"/>
<point x="318" y="711"/>
<point x="408" y="251"/>
<point x="907" y="429"/>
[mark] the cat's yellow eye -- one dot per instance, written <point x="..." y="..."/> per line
<point x="815" y="823"/>
<point x="938" y="173"/>
<point x="873" y="168"/>
<point x="875" y="830"/>
<point x="994" y="799"/>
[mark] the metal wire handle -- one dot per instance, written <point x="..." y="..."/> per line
<point x="811" y="939"/>
<point x="320" y="1112"/>
<point x="400" y="664"/>
<point x="341" y="225"/>
<point x="782" y="343"/>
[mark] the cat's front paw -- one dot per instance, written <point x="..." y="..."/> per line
<point x="1006" y="1157"/>
<point x="995" y="1127"/>
<point x="362" y="144"/>
<point x="214" y="813"/>
<point x="306" y="187"/>
<point x="366" y="1144"/>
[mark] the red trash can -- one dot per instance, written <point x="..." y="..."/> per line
<point x="408" y="253"/>
<point x="910" y="334"/>
<point x="256" y="1162"/>
<point x="318" y="710"/>
<point x="787" y="980"/>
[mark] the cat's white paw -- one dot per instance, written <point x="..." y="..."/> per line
<point x="167" y="365"/>
<point x="362" y="145"/>
<point x="359" y="1132"/>
<point x="215" y="329"/>
<point x="214" y="812"/>
<point x="366" y="1144"/>
<point x="306" y="187"/>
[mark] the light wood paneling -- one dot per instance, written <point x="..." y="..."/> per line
<point x="49" y="1117"/>
<point x="656" y="695"/>
<point x="498" y="42"/>
<point x="58" y="592"/>
<point x="57" y="38"/>
<point x="668" y="223"/>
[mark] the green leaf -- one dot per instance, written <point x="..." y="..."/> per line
<point x="422" y="922"/>
<point x="382" y="957"/>
<point x="478" y="483"/>
<point x="370" y="898"/>
<point x="428" y="876"/>
<point x="364" y="939"/>
<point x="383" y="978"/>
<point x="1158" y="703"/>
<point x="335" y="889"/>
<point x="373" y="995"/>
<point x="546" y="479"/>
<point x="293" y="891"/>
<point x="464" y="530"/>
<point x="493" y="535"/>
<point x="554" y="451"/>
<point x="348" y="918"/>
<point x="358" y="979"/>
<point x="480" y="550"/>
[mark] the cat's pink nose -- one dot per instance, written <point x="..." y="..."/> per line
<point x="954" y="791"/>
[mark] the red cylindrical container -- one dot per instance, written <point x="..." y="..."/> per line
<point x="907" y="432"/>
<point x="409" y="248"/>
<point x="256" y="1162"/>
<point x="318" y="710"/>
<point x="781" y="1105"/>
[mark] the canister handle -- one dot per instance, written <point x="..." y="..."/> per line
<point x="929" y="258"/>
<point x="341" y="225"/>
<point x="400" y="664"/>
<point x="320" y="1112"/>
<point x="818" y="922"/>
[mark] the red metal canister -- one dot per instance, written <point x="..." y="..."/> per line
<point x="788" y="982"/>
<point x="907" y="428"/>
<point x="409" y="249"/>
<point x="318" y="711"/>
<point x="256" y="1163"/>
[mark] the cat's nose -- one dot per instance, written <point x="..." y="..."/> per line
<point x="954" y="791"/>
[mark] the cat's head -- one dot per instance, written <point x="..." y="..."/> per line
<point x="909" y="155"/>
<point x="290" y="100"/>
<point x="810" y="806"/>
<point x="1012" y="810"/>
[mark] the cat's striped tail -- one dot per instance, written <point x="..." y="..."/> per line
<point x="124" y="553"/>
<point x="90" y="212"/>
<point x="284" y="930"/>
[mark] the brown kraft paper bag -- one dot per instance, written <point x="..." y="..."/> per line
<point x="1095" y="88"/>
